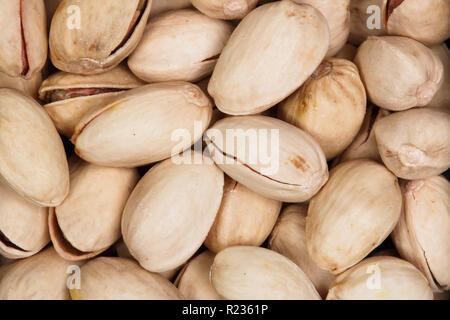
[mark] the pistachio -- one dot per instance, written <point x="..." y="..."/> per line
<point x="98" y="35"/>
<point x="366" y="19"/>
<point x="225" y="9"/>
<point x="268" y="156"/>
<point x="179" y="45"/>
<point x="38" y="170"/>
<point x="406" y="73"/>
<point x="414" y="144"/>
<point x="117" y="134"/>
<point x="160" y="6"/>
<point x="109" y="278"/>
<point x="381" y="278"/>
<point x="421" y="235"/>
<point x="244" y="272"/>
<point x="68" y="97"/>
<point x="23" y="40"/>
<point x="348" y="52"/>
<point x="353" y="213"/>
<point x="330" y="105"/>
<point x="27" y="86"/>
<point x="273" y="50"/>
<point x="441" y="99"/>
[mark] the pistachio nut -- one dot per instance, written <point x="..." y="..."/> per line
<point x="225" y="9"/>
<point x="441" y="99"/>
<point x="117" y="133"/>
<point x="244" y="272"/>
<point x="23" y="225"/>
<point x="330" y="105"/>
<point x="23" y="40"/>
<point x="111" y="278"/>
<point x="160" y="6"/>
<point x="289" y="239"/>
<point x="179" y="45"/>
<point x="169" y="213"/>
<point x="273" y="50"/>
<point x="38" y="170"/>
<point x="366" y="19"/>
<point x="348" y="52"/>
<point x="268" y="156"/>
<point x="27" y="86"/>
<point x="353" y="213"/>
<point x="94" y="36"/>
<point x="421" y="235"/>
<point x="415" y="144"/>
<point x="381" y="278"/>
<point x="406" y="73"/>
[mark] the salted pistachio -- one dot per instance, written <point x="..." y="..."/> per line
<point x="268" y="156"/>
<point x="194" y="280"/>
<point x="441" y="99"/>
<point x="406" y="73"/>
<point x="273" y="50"/>
<point x="160" y="6"/>
<point x="43" y="276"/>
<point x="67" y="97"/>
<point x="23" y="225"/>
<point x="179" y="45"/>
<point x="414" y="144"/>
<point x="27" y="86"/>
<point x="244" y="272"/>
<point x="366" y="19"/>
<point x="94" y="36"/>
<point x="225" y="9"/>
<point x="38" y="170"/>
<point x="353" y="213"/>
<point x="23" y="40"/>
<point x="289" y="239"/>
<point x="117" y="134"/>
<point x="330" y="105"/>
<point x="381" y="278"/>
<point x="424" y="21"/>
<point x="244" y="218"/>
<point x="169" y="213"/>
<point x="348" y="52"/>
<point x="421" y="236"/>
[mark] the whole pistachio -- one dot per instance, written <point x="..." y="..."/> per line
<point x="441" y="98"/>
<point x="366" y="19"/>
<point x="27" y="86"/>
<point x="225" y="9"/>
<point x="160" y="6"/>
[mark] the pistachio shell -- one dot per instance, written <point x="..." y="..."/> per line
<point x="225" y="9"/>
<point x="38" y="170"/>
<point x="398" y="280"/>
<point x="442" y="97"/>
<point x="353" y="213"/>
<point x="255" y="273"/>
<point x="170" y="212"/>
<point x="273" y="50"/>
<point x="289" y="239"/>
<point x="117" y="134"/>
<point x="362" y="15"/>
<point x="27" y="86"/>
<point x="421" y="235"/>
<point x="284" y="163"/>
<point x="414" y="144"/>
<point x="23" y="226"/>
<point x="244" y="218"/>
<point x="160" y="6"/>
<point x="406" y="73"/>
<point x="179" y="45"/>
<point x="105" y="36"/>
<point x="348" y="52"/>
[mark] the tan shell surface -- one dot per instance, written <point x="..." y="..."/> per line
<point x="273" y="50"/>
<point x="160" y="6"/>
<point x="225" y="9"/>
<point x="364" y="13"/>
<point x="27" y="86"/>
<point x="441" y="98"/>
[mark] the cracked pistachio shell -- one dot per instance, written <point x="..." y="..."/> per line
<point x="330" y="105"/>
<point x="442" y="97"/>
<point x="353" y="213"/>
<point x="23" y="40"/>
<point x="27" y="86"/>
<point x="381" y="278"/>
<point x="289" y="239"/>
<point x="415" y="144"/>
<point x="422" y="234"/>
<point x="68" y="112"/>
<point x="111" y="278"/>
<point x="406" y="74"/>
<point x="244" y="218"/>
<point x="23" y="225"/>
<point x="38" y="171"/>
<point x="225" y="9"/>
<point x="244" y="272"/>
<point x="273" y="50"/>
<point x="160" y="6"/>
<point x="347" y="52"/>
<point x="94" y="36"/>
<point x="365" y="14"/>
<point x="117" y="134"/>
<point x="88" y="221"/>
<point x="269" y="156"/>
<point x="180" y="45"/>
<point x="170" y="212"/>
<point x="194" y="280"/>
<point x="40" y="277"/>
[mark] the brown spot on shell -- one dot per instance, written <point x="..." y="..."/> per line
<point x="300" y="163"/>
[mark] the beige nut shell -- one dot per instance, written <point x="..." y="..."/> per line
<point x="225" y="9"/>
<point x="27" y="86"/>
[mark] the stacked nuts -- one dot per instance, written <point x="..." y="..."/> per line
<point x="225" y="149"/>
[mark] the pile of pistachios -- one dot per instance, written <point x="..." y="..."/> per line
<point x="224" y="149"/>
